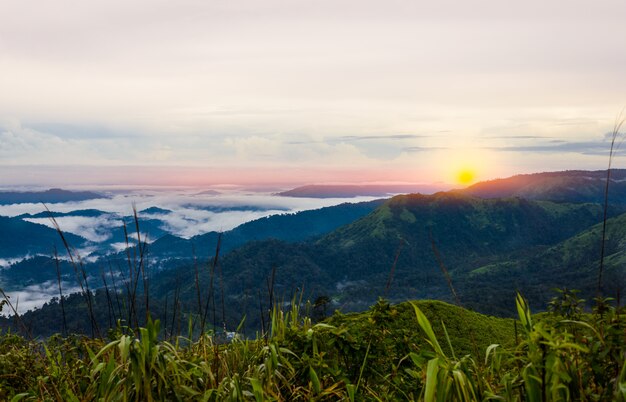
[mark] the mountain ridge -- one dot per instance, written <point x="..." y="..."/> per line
<point x="51" y="196"/>
<point x="563" y="186"/>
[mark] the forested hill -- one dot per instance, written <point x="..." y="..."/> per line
<point x="572" y="263"/>
<point x="20" y="238"/>
<point x="352" y="265"/>
<point x="566" y="186"/>
<point x="290" y="227"/>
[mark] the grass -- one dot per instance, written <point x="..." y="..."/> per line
<point x="411" y="351"/>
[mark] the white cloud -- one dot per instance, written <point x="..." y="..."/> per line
<point x="6" y="262"/>
<point x="96" y="229"/>
<point x="35" y="296"/>
<point x="19" y="143"/>
<point x="191" y="214"/>
<point x="215" y="83"/>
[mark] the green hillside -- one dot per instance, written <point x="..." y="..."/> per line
<point x="289" y="227"/>
<point x="401" y="329"/>
<point x="566" y="186"/>
<point x="352" y="265"/>
<point x="572" y="263"/>
<point x="463" y="228"/>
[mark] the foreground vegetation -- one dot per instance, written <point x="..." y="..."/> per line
<point x="387" y="353"/>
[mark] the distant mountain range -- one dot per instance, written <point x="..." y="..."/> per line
<point x="347" y="191"/>
<point x="54" y="195"/>
<point x="155" y="210"/>
<point x="79" y="212"/>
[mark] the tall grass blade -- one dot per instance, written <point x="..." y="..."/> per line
<point x="61" y="301"/>
<point x="428" y="330"/>
<point x="78" y="267"/>
<point x="614" y="136"/>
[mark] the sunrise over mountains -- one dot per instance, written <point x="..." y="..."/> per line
<point x="279" y="200"/>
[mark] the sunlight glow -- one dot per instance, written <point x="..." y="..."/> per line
<point x="466" y="176"/>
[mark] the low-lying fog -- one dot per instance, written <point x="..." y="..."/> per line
<point x="183" y="213"/>
<point x="189" y="212"/>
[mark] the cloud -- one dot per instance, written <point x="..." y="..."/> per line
<point x="174" y="84"/>
<point x="22" y="144"/>
<point x="515" y="137"/>
<point x="95" y="229"/>
<point x="17" y="142"/>
<point x="383" y="147"/>
<point x="596" y="148"/>
<point x="422" y="149"/>
<point x="191" y="213"/>
<point x="34" y="296"/>
<point x="190" y="223"/>
<point x="357" y="138"/>
<point x="390" y="137"/>
<point x="6" y="262"/>
<point x="81" y="131"/>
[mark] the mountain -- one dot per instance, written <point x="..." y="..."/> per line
<point x="347" y="191"/>
<point x="35" y="270"/>
<point x="572" y="263"/>
<point x="19" y="238"/>
<point x="155" y="210"/>
<point x="79" y="212"/>
<point x="54" y="195"/>
<point x="352" y="265"/>
<point x="567" y="186"/>
<point x="209" y="192"/>
<point x="290" y="227"/>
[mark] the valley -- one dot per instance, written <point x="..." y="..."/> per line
<point x="352" y="253"/>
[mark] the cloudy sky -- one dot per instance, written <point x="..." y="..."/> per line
<point x="201" y="92"/>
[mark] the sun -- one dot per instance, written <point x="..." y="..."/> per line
<point x="465" y="176"/>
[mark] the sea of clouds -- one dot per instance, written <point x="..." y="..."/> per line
<point x="192" y="212"/>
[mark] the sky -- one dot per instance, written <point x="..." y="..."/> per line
<point x="198" y="93"/>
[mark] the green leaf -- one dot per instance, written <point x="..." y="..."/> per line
<point x="350" y="389"/>
<point x="257" y="389"/>
<point x="19" y="397"/>
<point x="523" y="311"/>
<point x="314" y="380"/>
<point x="491" y="349"/>
<point x="622" y="381"/>
<point x="431" y="380"/>
<point x="428" y="330"/>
